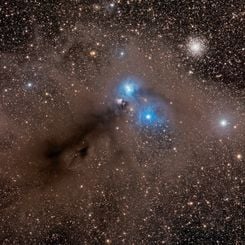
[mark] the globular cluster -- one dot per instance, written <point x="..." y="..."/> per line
<point x="122" y="122"/>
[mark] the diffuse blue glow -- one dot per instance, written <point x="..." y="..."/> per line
<point x="148" y="111"/>
<point x="128" y="89"/>
<point x="150" y="116"/>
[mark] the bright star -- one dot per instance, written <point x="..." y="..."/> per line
<point x="122" y="53"/>
<point x="223" y="122"/>
<point x="29" y="85"/>
<point x="239" y="156"/>
<point x="93" y="53"/>
<point x="150" y="116"/>
<point x="112" y="5"/>
<point x="128" y="89"/>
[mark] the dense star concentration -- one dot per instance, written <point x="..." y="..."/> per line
<point x="122" y="122"/>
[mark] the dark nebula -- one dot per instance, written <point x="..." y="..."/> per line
<point x="122" y="122"/>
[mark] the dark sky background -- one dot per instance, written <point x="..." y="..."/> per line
<point x="84" y="161"/>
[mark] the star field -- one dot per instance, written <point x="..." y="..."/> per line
<point x="122" y="122"/>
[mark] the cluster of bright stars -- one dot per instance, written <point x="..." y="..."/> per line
<point x="196" y="46"/>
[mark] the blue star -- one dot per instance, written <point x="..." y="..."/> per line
<point x="28" y="86"/>
<point x="128" y="89"/>
<point x="150" y="116"/>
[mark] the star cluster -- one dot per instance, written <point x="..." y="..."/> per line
<point x="122" y="122"/>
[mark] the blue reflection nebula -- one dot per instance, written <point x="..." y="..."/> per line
<point x="128" y="89"/>
<point x="150" y="116"/>
<point x="148" y="109"/>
